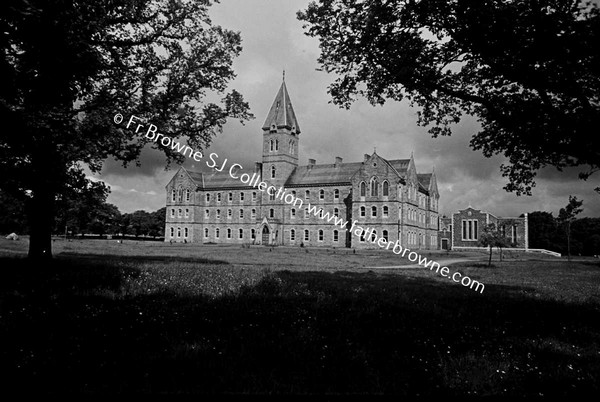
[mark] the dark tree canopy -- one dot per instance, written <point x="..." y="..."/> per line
<point x="68" y="66"/>
<point x="528" y="70"/>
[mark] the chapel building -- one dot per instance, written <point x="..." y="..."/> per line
<point x="389" y="196"/>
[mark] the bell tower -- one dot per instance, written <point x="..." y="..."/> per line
<point x="281" y="133"/>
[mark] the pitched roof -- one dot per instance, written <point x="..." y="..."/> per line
<point x="424" y="179"/>
<point x="323" y="174"/>
<point x="282" y="113"/>
<point x="215" y="180"/>
<point x="401" y="165"/>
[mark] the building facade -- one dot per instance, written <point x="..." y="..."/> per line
<point x="464" y="229"/>
<point x="389" y="196"/>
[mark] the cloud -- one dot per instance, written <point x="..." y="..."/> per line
<point x="273" y="40"/>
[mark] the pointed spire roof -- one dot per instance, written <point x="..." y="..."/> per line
<point x="282" y="113"/>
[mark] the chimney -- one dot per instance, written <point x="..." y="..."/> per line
<point x="257" y="167"/>
<point x="338" y="161"/>
<point x="311" y="163"/>
<point x="366" y="157"/>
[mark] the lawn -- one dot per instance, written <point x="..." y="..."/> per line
<point x="144" y="317"/>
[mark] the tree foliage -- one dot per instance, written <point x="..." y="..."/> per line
<point x="527" y="70"/>
<point x="493" y="236"/>
<point x="69" y="66"/>
<point x="566" y="216"/>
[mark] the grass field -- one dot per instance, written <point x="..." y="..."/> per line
<point x="147" y="317"/>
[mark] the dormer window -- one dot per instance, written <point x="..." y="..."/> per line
<point x="273" y="127"/>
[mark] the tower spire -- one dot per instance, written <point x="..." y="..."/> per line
<point x="281" y="114"/>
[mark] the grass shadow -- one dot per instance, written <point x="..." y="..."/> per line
<point x="292" y="332"/>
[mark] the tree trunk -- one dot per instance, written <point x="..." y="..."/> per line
<point x="490" y="261"/>
<point x="569" y="241"/>
<point x="41" y="219"/>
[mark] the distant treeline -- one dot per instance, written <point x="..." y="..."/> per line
<point x="89" y="214"/>
<point x="545" y="231"/>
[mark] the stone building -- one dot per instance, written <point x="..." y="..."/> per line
<point x="464" y="229"/>
<point x="388" y="196"/>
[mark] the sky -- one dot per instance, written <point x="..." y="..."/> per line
<point x="273" y="41"/>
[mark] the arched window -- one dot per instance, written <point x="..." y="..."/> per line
<point x="180" y="195"/>
<point x="178" y="232"/>
<point x="218" y="214"/>
<point x="271" y="145"/>
<point x="291" y="146"/>
<point x="373" y="211"/>
<point x="373" y="236"/>
<point x="253" y="213"/>
<point x="241" y="196"/>
<point x="385" y="211"/>
<point x="292" y="213"/>
<point x="386" y="189"/>
<point x="228" y="233"/>
<point x="241" y="233"/>
<point x="218" y="197"/>
<point x="336" y="235"/>
<point x="363" y="189"/>
<point x="385" y="235"/>
<point x="307" y="194"/>
<point x="272" y="172"/>
<point x="230" y="197"/>
<point x="336" y="212"/>
<point x="217" y="233"/>
<point x="292" y="235"/>
<point x="207" y="198"/>
<point x="306" y="235"/>
<point x="241" y="214"/>
<point x="172" y="232"/>
<point x="271" y="213"/>
<point x="336" y="194"/>
<point x="206" y="232"/>
<point x="374" y="187"/>
<point x="321" y="194"/>
<point x="252" y="233"/>
<point x="187" y="194"/>
<point x="185" y="232"/>
<point x="276" y="145"/>
<point x="174" y="195"/>
<point x="172" y="212"/>
<point x="179" y="213"/>
<point x="363" y="211"/>
<point x="320" y="234"/>
<point x="206" y="214"/>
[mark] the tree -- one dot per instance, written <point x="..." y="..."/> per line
<point x="543" y="231"/>
<point x="69" y="66"/>
<point x="157" y="222"/>
<point x="12" y="218"/>
<point x="79" y="204"/>
<point x="492" y="236"/>
<point x="566" y="216"/>
<point x="528" y="71"/>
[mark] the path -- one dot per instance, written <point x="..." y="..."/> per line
<point x="443" y="263"/>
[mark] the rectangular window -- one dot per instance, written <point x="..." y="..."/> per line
<point x="469" y="229"/>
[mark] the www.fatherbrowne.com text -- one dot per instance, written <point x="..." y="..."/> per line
<point x="254" y="180"/>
